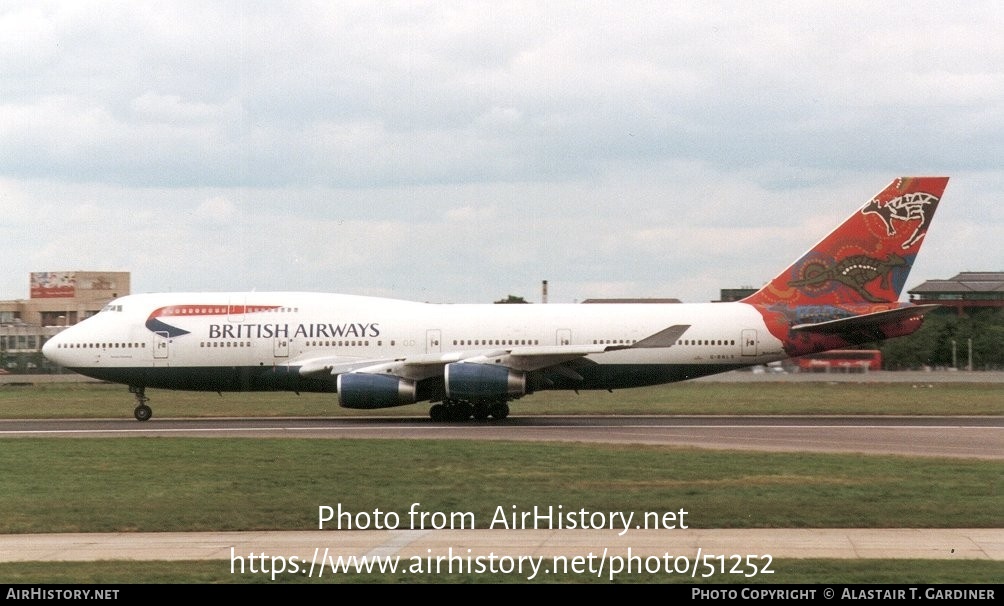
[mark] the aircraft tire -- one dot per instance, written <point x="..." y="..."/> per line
<point x="143" y="412"/>
<point x="464" y="411"/>
<point x="500" y="410"/>
<point x="438" y="413"/>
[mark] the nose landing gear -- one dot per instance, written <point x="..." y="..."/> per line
<point x="142" y="411"/>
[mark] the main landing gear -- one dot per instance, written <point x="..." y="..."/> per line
<point x="142" y="412"/>
<point x="457" y="410"/>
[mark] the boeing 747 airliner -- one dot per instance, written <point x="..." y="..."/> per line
<point x="472" y="360"/>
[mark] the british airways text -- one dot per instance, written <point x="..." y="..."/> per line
<point x="308" y="331"/>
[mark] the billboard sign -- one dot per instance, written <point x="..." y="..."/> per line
<point x="53" y="285"/>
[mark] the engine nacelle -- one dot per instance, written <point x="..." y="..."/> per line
<point x="483" y="382"/>
<point x="363" y="390"/>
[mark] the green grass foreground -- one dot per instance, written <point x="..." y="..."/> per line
<point x="201" y="484"/>
<point x="164" y="484"/>
<point x="91" y="400"/>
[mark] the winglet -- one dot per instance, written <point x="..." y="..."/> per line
<point x="666" y="337"/>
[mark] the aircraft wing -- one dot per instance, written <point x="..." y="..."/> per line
<point x="865" y="323"/>
<point x="524" y="357"/>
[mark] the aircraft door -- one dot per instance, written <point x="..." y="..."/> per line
<point x="433" y="341"/>
<point x="563" y="337"/>
<point x="749" y="347"/>
<point x="161" y="345"/>
<point x="280" y="348"/>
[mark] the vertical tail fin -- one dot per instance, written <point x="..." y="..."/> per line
<point x="866" y="260"/>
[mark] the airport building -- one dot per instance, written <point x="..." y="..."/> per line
<point x="57" y="299"/>
<point x="729" y="295"/>
<point x="965" y="293"/>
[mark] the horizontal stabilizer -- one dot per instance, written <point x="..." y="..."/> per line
<point x="864" y="322"/>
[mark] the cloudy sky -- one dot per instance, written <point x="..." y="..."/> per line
<point x="461" y="152"/>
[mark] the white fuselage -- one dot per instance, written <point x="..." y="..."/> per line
<point x="382" y="352"/>
<point x="228" y="330"/>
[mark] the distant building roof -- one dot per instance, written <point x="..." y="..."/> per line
<point x="631" y="301"/>
<point x="964" y="283"/>
<point x="735" y="294"/>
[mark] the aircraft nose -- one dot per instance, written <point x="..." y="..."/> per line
<point x="51" y="349"/>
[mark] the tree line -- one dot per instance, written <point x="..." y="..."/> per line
<point x="944" y="342"/>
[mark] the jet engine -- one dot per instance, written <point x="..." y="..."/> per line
<point x="483" y="382"/>
<point x="363" y="390"/>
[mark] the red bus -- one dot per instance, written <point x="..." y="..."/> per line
<point x="841" y="360"/>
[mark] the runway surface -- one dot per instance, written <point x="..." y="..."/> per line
<point x="968" y="437"/>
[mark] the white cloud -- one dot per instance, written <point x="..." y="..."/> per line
<point x="471" y="216"/>
<point x="461" y="151"/>
<point x="218" y="210"/>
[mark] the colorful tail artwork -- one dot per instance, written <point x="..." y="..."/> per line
<point x="846" y="289"/>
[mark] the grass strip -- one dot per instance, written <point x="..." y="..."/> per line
<point x="95" y="400"/>
<point x="196" y="484"/>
